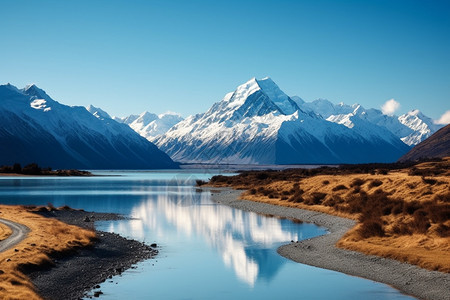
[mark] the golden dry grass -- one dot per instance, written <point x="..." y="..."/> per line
<point x="46" y="236"/>
<point x="4" y="231"/>
<point x="401" y="215"/>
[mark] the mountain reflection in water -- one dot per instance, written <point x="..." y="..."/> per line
<point x="245" y="241"/>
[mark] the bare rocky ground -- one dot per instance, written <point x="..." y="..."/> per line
<point x="73" y="276"/>
<point x="321" y="252"/>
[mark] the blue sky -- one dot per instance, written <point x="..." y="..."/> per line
<point x="182" y="56"/>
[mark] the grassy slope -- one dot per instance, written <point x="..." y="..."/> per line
<point x="47" y="236"/>
<point x="402" y="214"/>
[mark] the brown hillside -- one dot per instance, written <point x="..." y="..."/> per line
<point x="437" y="145"/>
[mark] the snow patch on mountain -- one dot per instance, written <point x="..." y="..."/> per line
<point x="412" y="127"/>
<point x="36" y="128"/>
<point x="150" y="125"/>
<point x="259" y="123"/>
<point x="98" y="112"/>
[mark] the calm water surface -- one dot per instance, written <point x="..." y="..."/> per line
<point x="207" y="250"/>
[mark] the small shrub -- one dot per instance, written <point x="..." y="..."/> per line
<point x="429" y="181"/>
<point x="339" y="187"/>
<point x="370" y="228"/>
<point x="382" y="171"/>
<point x="411" y="185"/>
<point x="421" y="222"/>
<point x="200" y="182"/>
<point x="252" y="191"/>
<point x="443" y="230"/>
<point x="356" y="190"/>
<point x="325" y="182"/>
<point x="401" y="229"/>
<point x="316" y="198"/>
<point x="357" y="182"/>
<point x="397" y="209"/>
<point x="438" y="213"/>
<point x="410" y="207"/>
<point x="262" y="176"/>
<point x="443" y="198"/>
<point x="266" y="192"/>
<point x="375" y="183"/>
<point x="297" y="199"/>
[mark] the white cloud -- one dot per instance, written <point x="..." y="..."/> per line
<point x="444" y="119"/>
<point x="390" y="107"/>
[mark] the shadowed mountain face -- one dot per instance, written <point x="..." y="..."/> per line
<point x="36" y="128"/>
<point x="259" y="124"/>
<point x="437" y="145"/>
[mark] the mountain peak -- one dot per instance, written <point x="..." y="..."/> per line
<point x="414" y="112"/>
<point x="33" y="90"/>
<point x="266" y="85"/>
<point x="98" y="112"/>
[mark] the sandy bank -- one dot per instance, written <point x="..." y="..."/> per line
<point x="321" y="252"/>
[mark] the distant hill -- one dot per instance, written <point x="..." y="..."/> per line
<point x="437" y="145"/>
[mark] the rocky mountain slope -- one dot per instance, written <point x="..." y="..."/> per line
<point x="260" y="124"/>
<point x="437" y="145"/>
<point x="36" y="128"/>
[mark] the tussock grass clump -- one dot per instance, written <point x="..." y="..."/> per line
<point x="375" y="183"/>
<point x="357" y="182"/>
<point x="370" y="228"/>
<point x="430" y="181"/>
<point x="339" y="188"/>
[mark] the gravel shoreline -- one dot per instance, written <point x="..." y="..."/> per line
<point x="77" y="275"/>
<point x="321" y="252"/>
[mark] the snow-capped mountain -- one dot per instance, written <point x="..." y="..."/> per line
<point x="36" y="128"/>
<point x="150" y="125"/>
<point x="260" y="124"/>
<point x="98" y="112"/>
<point x="126" y="120"/>
<point x="412" y="127"/>
<point x="422" y="126"/>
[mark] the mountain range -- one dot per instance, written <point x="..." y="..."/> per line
<point x="255" y="124"/>
<point x="412" y="127"/>
<point x="259" y="124"/>
<point x="36" y="128"/>
<point x="150" y="125"/>
<point x="237" y="142"/>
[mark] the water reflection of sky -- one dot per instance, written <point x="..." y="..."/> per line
<point x="207" y="250"/>
<point x="245" y="241"/>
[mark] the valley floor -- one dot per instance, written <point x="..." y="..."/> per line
<point x="322" y="252"/>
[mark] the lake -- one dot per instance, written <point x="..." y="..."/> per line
<point x="207" y="250"/>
